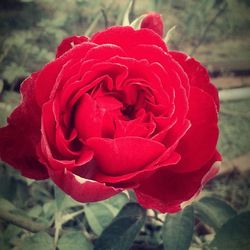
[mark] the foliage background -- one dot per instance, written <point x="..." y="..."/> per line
<point x="217" y="32"/>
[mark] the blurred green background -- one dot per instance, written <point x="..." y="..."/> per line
<point x="216" y="32"/>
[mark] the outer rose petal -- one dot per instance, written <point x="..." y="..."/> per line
<point x="199" y="143"/>
<point x="19" y="138"/>
<point x="68" y="43"/>
<point x="197" y="74"/>
<point x="126" y="37"/>
<point x="81" y="189"/>
<point x="154" y="22"/>
<point x="165" y="191"/>
<point x="47" y="78"/>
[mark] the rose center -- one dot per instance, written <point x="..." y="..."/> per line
<point x="128" y="111"/>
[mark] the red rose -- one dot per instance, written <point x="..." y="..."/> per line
<point x="117" y="111"/>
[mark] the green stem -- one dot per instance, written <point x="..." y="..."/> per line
<point x="23" y="222"/>
<point x="67" y="217"/>
<point x="58" y="226"/>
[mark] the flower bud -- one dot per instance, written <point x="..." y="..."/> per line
<point x="154" y="22"/>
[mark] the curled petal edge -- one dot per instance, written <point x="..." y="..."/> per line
<point x="68" y="43"/>
<point x="210" y="174"/>
<point x="173" y="207"/>
<point x="81" y="189"/>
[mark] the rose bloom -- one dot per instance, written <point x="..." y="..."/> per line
<point x="117" y="111"/>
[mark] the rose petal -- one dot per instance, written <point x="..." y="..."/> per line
<point x="46" y="80"/>
<point x="118" y="73"/>
<point x="172" y="136"/>
<point x="132" y="179"/>
<point x="197" y="74"/>
<point x="149" y="82"/>
<point x="80" y="189"/>
<point x="49" y="153"/>
<point x="135" y="127"/>
<point x="94" y="117"/>
<point x="124" y="154"/>
<point x="126" y="37"/>
<point x="199" y="143"/>
<point x="19" y="138"/>
<point x="155" y="54"/>
<point x="180" y="93"/>
<point x="68" y="43"/>
<point x="104" y="52"/>
<point x="165" y="190"/>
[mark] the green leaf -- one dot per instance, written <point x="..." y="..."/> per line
<point x="49" y="209"/>
<point x="213" y="212"/>
<point x="13" y="71"/>
<point x="35" y="211"/>
<point x="11" y="98"/>
<point x="59" y="197"/>
<point x="125" y="20"/>
<point x="178" y="229"/>
<point x="4" y="112"/>
<point x="234" y="234"/>
<point x="121" y="233"/>
<point x="1" y="86"/>
<point x="6" y="205"/>
<point x="40" y="193"/>
<point x="9" y="236"/>
<point x="169" y="34"/>
<point x="99" y="216"/>
<point x="4" y="245"/>
<point x="11" y="232"/>
<point x="117" y="201"/>
<point x="64" y="201"/>
<point x="8" y="185"/>
<point x="38" y="241"/>
<point x="74" y="241"/>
